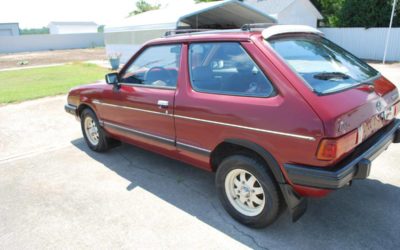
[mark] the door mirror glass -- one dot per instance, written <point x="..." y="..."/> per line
<point x="112" y="78"/>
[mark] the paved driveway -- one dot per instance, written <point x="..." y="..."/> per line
<point x="55" y="193"/>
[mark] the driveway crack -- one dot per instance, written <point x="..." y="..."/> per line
<point x="259" y="246"/>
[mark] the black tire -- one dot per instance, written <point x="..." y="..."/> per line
<point x="103" y="142"/>
<point x="272" y="196"/>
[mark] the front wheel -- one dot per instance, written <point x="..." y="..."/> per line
<point x="94" y="135"/>
<point x="248" y="191"/>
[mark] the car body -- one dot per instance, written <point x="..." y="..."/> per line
<point x="313" y="132"/>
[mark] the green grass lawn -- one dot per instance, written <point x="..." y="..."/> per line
<point x="26" y="84"/>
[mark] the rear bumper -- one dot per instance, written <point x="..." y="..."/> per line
<point x="355" y="166"/>
<point x="71" y="109"/>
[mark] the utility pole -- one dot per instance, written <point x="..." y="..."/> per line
<point x="388" y="33"/>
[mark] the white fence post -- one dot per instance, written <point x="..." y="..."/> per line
<point x="388" y="33"/>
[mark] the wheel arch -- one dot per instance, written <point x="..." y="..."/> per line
<point x="228" y="146"/>
<point x="296" y="204"/>
<point x="82" y="106"/>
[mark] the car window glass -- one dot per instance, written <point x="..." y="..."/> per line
<point x="226" y="68"/>
<point x="156" y="66"/>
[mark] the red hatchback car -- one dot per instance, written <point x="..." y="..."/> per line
<point x="280" y="114"/>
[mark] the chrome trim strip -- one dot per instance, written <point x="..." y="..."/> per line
<point x="131" y="108"/>
<point x="138" y="132"/>
<point x="202" y="150"/>
<point x="193" y="147"/>
<point x="247" y="128"/>
<point x="309" y="138"/>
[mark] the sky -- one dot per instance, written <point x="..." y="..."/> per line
<point x="38" y="13"/>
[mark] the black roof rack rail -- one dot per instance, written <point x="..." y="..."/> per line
<point x="245" y="27"/>
<point x="183" y="31"/>
<point x="251" y="26"/>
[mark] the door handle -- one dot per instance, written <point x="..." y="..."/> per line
<point x="162" y="104"/>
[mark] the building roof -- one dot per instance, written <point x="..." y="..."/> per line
<point x="274" y="7"/>
<point x="228" y="12"/>
<point x="74" y="23"/>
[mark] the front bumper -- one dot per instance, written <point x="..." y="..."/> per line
<point x="71" y="109"/>
<point x="355" y="166"/>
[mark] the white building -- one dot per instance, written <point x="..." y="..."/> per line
<point x="127" y="35"/>
<point x="289" y="11"/>
<point x="72" y="27"/>
<point x="9" y="29"/>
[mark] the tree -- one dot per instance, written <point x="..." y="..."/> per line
<point x="100" y="29"/>
<point x="357" y="13"/>
<point x="143" y="6"/>
<point x="329" y="10"/>
<point x="35" y="31"/>
<point x="368" y="13"/>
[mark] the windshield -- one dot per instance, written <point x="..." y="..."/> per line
<point x="326" y="67"/>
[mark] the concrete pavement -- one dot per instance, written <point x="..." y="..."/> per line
<point x="390" y="71"/>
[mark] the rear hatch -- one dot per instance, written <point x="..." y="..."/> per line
<point x="367" y="108"/>
<point x="352" y="99"/>
<point x="352" y="116"/>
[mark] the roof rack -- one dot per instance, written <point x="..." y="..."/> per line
<point x="183" y="31"/>
<point x="245" y="27"/>
<point x="252" y="26"/>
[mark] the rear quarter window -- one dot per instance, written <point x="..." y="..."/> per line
<point x="226" y="68"/>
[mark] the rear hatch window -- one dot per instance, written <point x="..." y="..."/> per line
<point x="323" y="65"/>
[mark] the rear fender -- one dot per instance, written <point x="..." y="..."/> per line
<point x="297" y="205"/>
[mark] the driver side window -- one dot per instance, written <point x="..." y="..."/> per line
<point x="156" y="66"/>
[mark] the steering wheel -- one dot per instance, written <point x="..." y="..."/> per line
<point x="169" y="76"/>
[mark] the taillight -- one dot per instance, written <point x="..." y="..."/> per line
<point x="331" y="149"/>
<point x="383" y="86"/>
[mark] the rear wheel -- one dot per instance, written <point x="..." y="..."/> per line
<point x="94" y="135"/>
<point x="248" y="191"/>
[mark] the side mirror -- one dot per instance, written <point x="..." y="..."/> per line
<point x="112" y="78"/>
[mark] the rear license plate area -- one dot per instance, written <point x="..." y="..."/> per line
<point x="371" y="126"/>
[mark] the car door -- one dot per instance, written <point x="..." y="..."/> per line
<point x="141" y="108"/>
<point x="226" y="96"/>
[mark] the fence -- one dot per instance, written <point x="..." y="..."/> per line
<point x="25" y="43"/>
<point x="366" y="43"/>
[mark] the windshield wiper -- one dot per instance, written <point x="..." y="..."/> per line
<point x="331" y="75"/>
